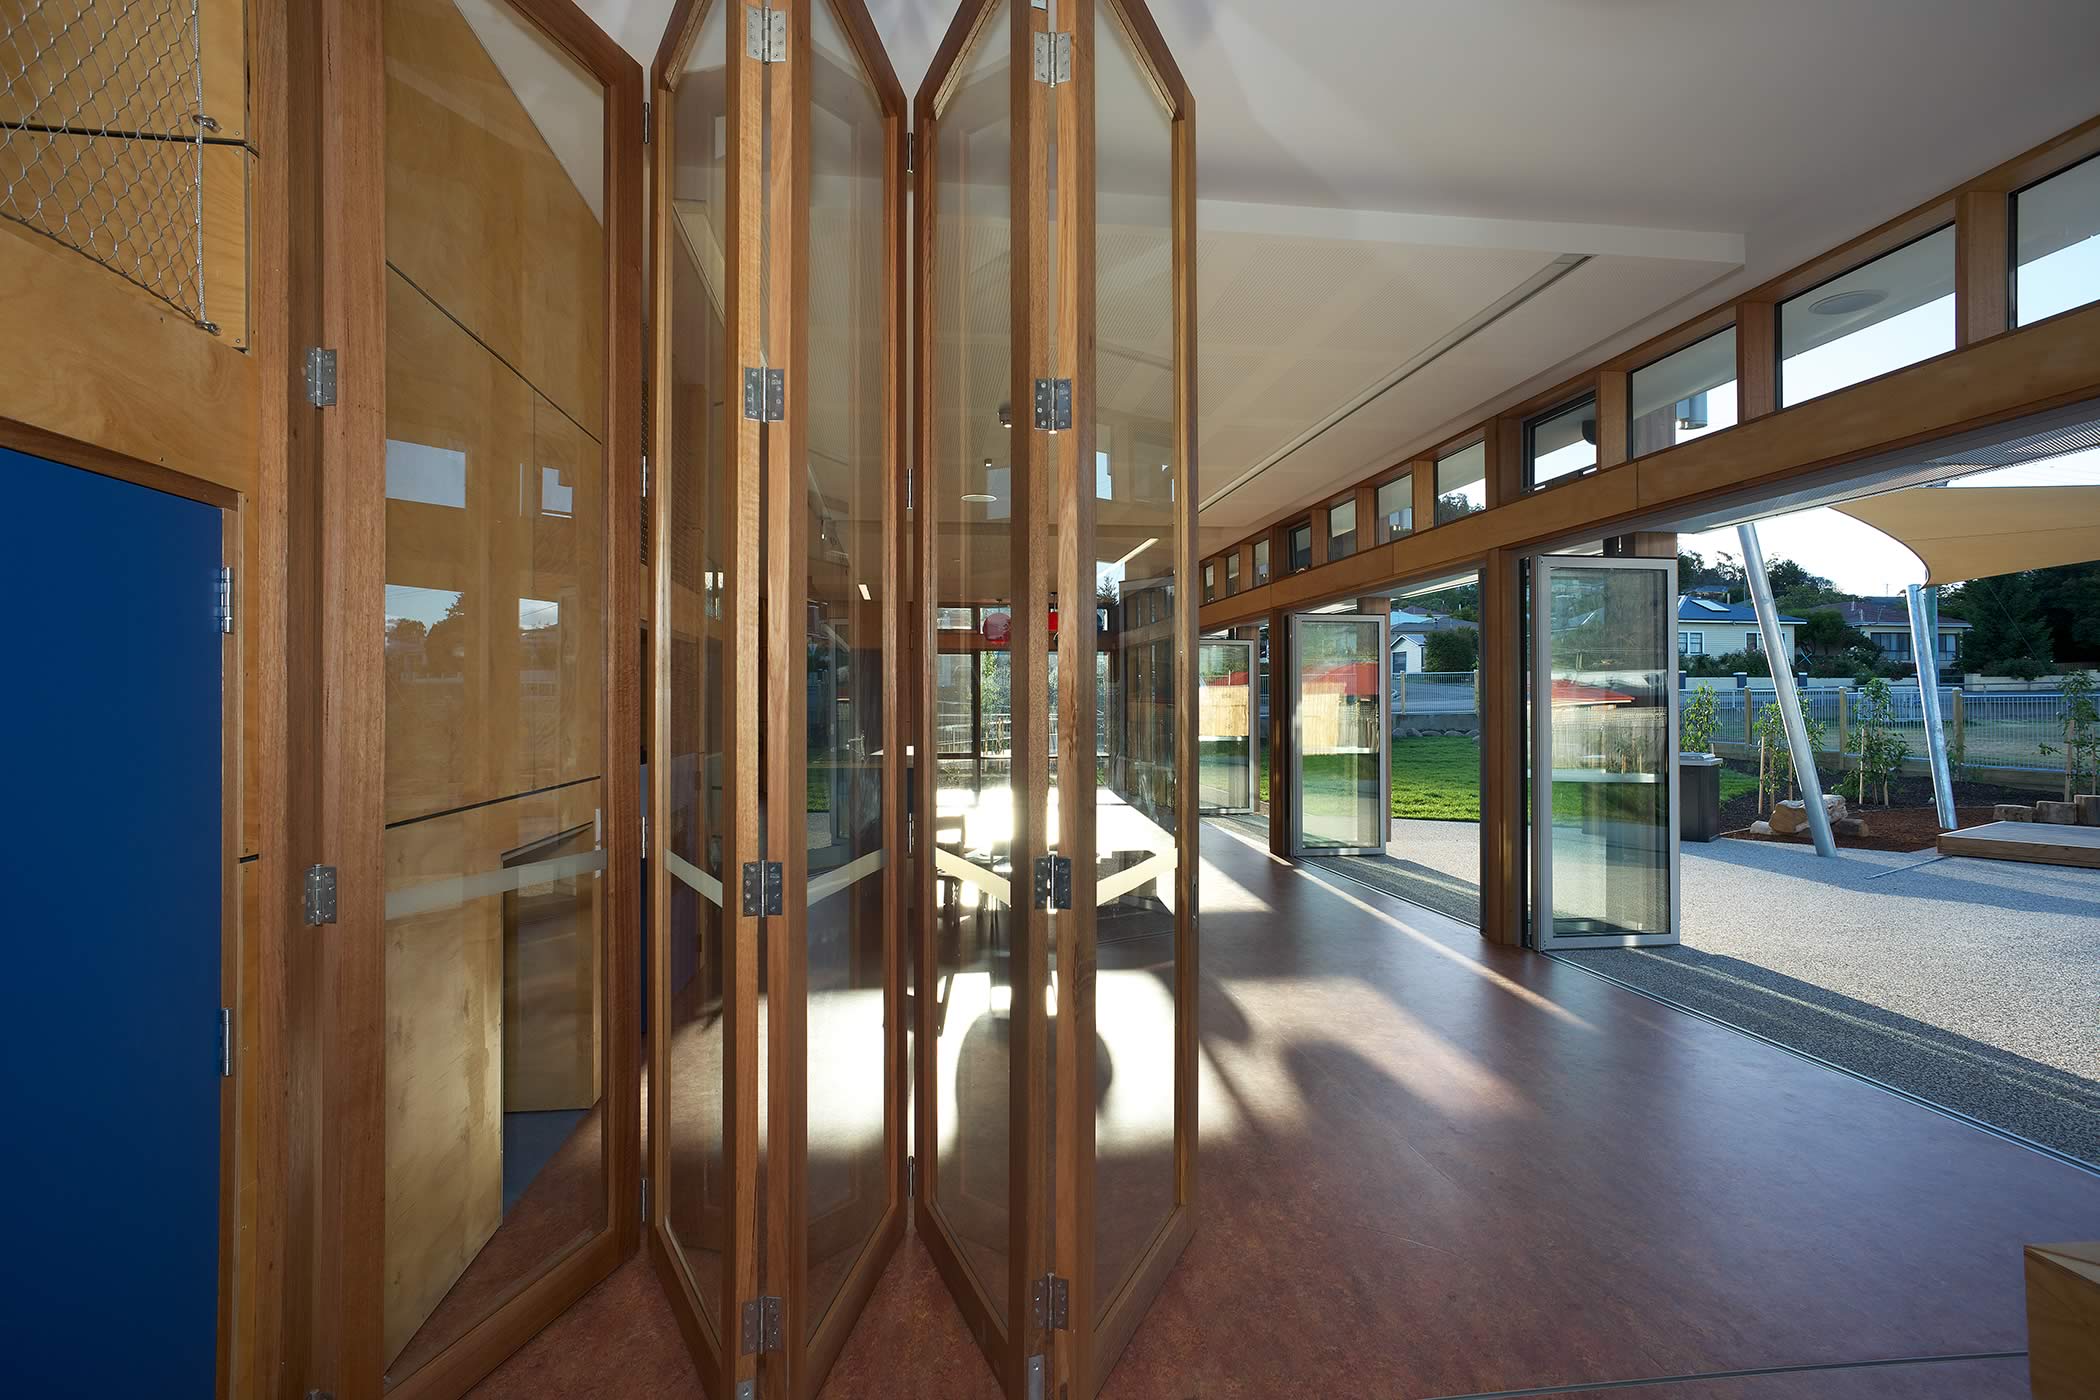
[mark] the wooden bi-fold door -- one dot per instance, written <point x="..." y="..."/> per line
<point x="1056" y="991"/>
<point x="776" y="1163"/>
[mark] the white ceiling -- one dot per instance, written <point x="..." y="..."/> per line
<point x="1378" y="176"/>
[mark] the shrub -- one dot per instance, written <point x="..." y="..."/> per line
<point x="1876" y="745"/>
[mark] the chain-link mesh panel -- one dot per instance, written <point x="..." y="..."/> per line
<point x="102" y="131"/>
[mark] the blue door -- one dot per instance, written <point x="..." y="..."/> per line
<point x="112" y="884"/>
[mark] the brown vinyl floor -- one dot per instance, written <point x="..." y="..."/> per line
<point x="1431" y="1167"/>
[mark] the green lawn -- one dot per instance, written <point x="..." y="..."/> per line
<point x="1437" y="778"/>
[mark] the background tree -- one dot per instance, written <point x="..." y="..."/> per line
<point x="1878" y="750"/>
<point x="1456" y="650"/>
<point x="2008" y="634"/>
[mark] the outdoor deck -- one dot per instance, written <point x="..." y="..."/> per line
<point x="2037" y="843"/>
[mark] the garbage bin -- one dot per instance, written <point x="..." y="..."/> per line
<point x="1698" y="796"/>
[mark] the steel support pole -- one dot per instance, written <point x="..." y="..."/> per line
<point x="1924" y="636"/>
<point x="1783" y="691"/>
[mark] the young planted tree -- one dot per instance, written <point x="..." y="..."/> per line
<point x="1775" y="757"/>
<point x="1878" y="750"/>
<point x="1697" y="721"/>
<point x="2081" y="731"/>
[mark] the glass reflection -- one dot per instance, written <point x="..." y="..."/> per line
<point x="1225" y="726"/>
<point x="494" y="666"/>
<point x="848" y="1183"/>
<point x="1342" y="793"/>
<point x="970" y="492"/>
<point x="1137" y="563"/>
<point x="698" y="403"/>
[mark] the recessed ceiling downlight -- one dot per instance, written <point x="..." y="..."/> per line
<point x="1845" y="303"/>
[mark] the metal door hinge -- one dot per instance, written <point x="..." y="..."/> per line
<point x="1053" y="404"/>
<point x="1035" y="1378"/>
<point x="747" y="1389"/>
<point x="1053" y="59"/>
<point x="222" y="605"/>
<point x="911" y="1176"/>
<point x="761" y="1326"/>
<point x="1053" y="1303"/>
<point x="765" y="394"/>
<point x="645" y="1200"/>
<point x="911" y="152"/>
<point x="1053" y="882"/>
<point x="320" y="894"/>
<point x="320" y="376"/>
<point x="765" y="34"/>
<point x="225" y="1042"/>
<point x="762" y="885"/>
<point x="645" y="476"/>
<point x="646" y="115"/>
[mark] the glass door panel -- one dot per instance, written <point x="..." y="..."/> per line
<point x="966" y="819"/>
<point x="1137" y="492"/>
<point x="847" y="528"/>
<point x="698" y="647"/>
<point x="703" y="977"/>
<point x="1225" y="711"/>
<point x="1339" y="752"/>
<point x="496" y="615"/>
<point x="1604" y="742"/>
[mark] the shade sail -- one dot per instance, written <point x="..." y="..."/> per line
<point x="1965" y="532"/>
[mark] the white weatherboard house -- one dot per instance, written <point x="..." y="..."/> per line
<point x="1709" y="627"/>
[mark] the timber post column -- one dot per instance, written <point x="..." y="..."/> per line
<point x="1502" y="856"/>
<point x="1280" y="794"/>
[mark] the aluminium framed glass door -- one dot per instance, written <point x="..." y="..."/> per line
<point x="1603" y="637"/>
<point x="777" y="1151"/>
<point x="1341" y="756"/>
<point x="1226" y="713"/>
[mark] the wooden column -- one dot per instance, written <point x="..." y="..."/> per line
<point x="1756" y="359"/>
<point x="1502" y="852"/>
<point x="1505" y="461"/>
<point x="1279" y="734"/>
<point x="1612" y="446"/>
<point x="1982" y="266"/>
<point x="1425" y="492"/>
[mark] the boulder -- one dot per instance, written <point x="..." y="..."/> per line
<point x="2012" y="812"/>
<point x="1854" y="827"/>
<point x="2057" y="813"/>
<point x="1791" y="817"/>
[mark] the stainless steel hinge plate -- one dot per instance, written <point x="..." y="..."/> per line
<point x="1052" y="1297"/>
<point x="1035" y="1378"/>
<point x="647" y="115"/>
<point x="760" y="1330"/>
<point x="320" y="377"/>
<point x="765" y="394"/>
<point x="222" y="603"/>
<point x="320" y="894"/>
<point x="911" y="152"/>
<point x="762" y="888"/>
<point x="225" y="1042"/>
<point x="911" y="1175"/>
<point x="1053" y="882"/>
<point x="1053" y="405"/>
<point x="765" y="34"/>
<point x="1053" y="59"/>
<point x="645" y="1200"/>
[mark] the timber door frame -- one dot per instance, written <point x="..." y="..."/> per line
<point x="1009" y="1341"/>
<point x="717" y="1352"/>
<point x="810" y="1352"/>
<point x="346" y="1356"/>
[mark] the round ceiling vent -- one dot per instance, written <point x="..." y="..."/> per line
<point x="1845" y="303"/>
